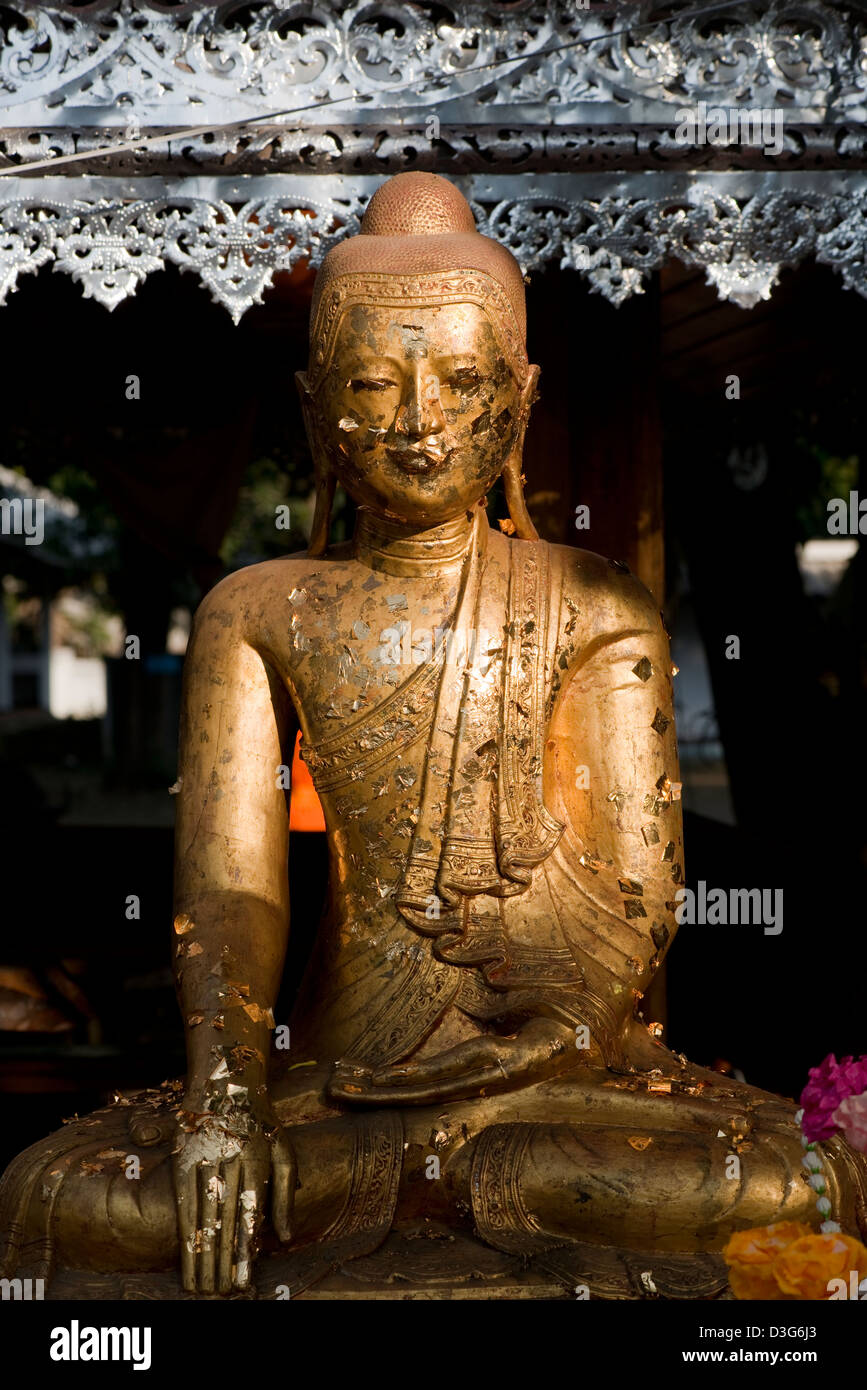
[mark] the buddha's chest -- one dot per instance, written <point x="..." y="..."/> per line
<point x="350" y="646"/>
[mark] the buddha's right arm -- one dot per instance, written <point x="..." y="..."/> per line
<point x="231" y="843"/>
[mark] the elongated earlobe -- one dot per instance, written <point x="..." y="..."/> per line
<point x="513" y="482"/>
<point x="323" y="477"/>
<point x="516" y="502"/>
<point x="322" y="515"/>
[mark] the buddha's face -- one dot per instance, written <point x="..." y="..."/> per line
<point x="419" y="409"/>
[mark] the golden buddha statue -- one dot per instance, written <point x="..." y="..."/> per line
<point x="488" y="722"/>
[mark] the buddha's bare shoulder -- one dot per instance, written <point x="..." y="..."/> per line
<point x="603" y="593"/>
<point x="247" y="601"/>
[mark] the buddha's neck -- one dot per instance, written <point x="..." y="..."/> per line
<point x="400" y="548"/>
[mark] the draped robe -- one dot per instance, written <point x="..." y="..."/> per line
<point x="499" y="905"/>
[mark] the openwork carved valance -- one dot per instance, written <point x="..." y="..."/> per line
<point x="569" y="156"/>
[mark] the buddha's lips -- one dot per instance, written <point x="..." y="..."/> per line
<point x="419" y="460"/>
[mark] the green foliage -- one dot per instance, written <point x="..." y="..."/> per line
<point x="253" y="534"/>
<point x="270" y="483"/>
<point x="822" y="467"/>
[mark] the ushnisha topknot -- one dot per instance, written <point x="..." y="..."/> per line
<point x="417" y="205"/>
<point x="418" y="242"/>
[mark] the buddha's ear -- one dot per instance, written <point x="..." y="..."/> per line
<point x="530" y="391"/>
<point x="323" y="477"/>
<point x="305" y="395"/>
<point x="513" y="480"/>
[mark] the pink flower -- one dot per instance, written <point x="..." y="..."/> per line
<point x="829" y="1085"/>
<point x="851" y="1116"/>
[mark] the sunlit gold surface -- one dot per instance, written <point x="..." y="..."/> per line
<point x="505" y="845"/>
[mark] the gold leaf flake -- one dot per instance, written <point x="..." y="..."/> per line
<point x="630" y="885"/>
<point x="259" y="1015"/>
<point x="659" y="933"/>
<point x="660" y="722"/>
<point x="639" y="1142"/>
<point x="590" y="861"/>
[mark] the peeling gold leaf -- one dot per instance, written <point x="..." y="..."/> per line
<point x="639" y="1142"/>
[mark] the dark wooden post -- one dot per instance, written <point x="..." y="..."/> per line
<point x="596" y="438"/>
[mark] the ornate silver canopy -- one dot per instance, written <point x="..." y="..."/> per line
<point x="563" y="124"/>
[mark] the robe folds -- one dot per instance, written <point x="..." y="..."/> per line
<point x="538" y="874"/>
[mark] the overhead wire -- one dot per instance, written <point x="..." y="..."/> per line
<point x="190" y="133"/>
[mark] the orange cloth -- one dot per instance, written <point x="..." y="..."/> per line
<point x="305" y="808"/>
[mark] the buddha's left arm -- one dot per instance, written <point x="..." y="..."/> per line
<point x="612" y="777"/>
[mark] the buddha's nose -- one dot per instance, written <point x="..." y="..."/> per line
<point x="420" y="413"/>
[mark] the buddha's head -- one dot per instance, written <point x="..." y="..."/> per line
<point x="418" y="389"/>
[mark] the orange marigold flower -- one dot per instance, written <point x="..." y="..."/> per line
<point x="750" y="1256"/>
<point x="804" y="1269"/>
